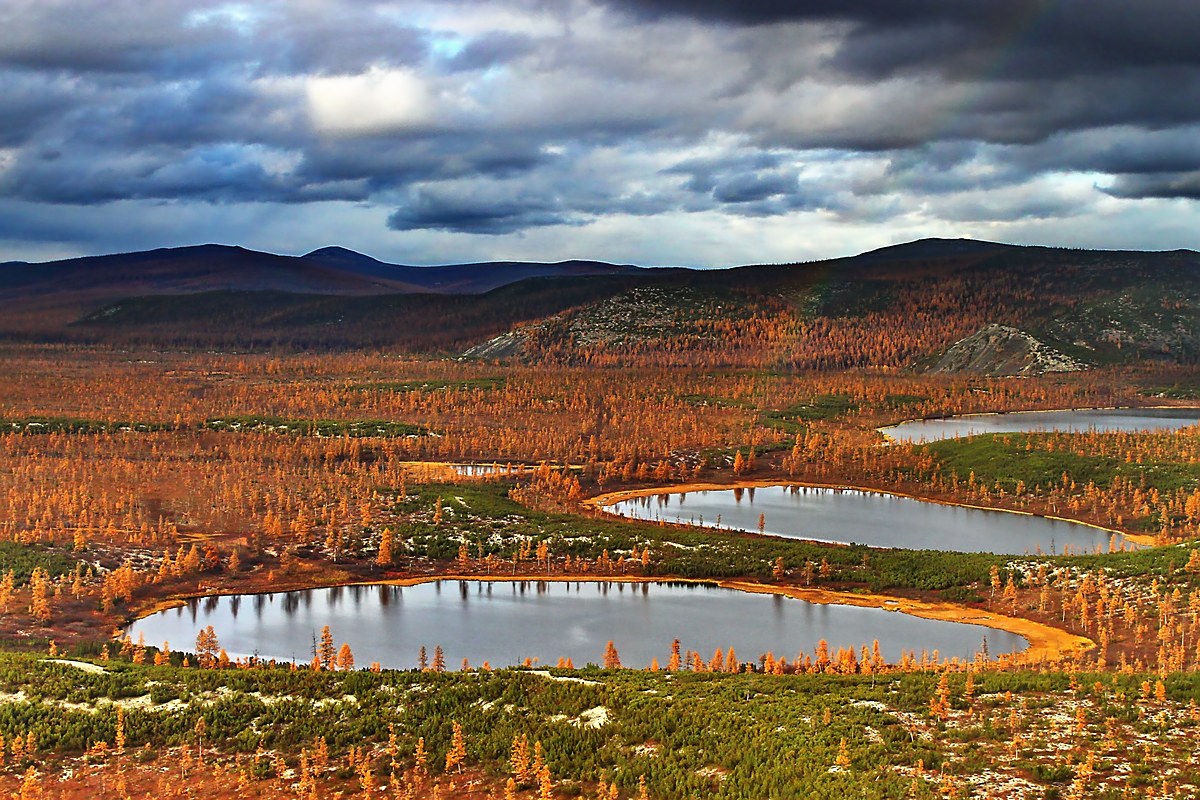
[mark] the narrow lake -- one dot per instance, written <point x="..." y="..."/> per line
<point x="486" y="470"/>
<point x="506" y="622"/>
<point x="871" y="518"/>
<point x="1098" y="419"/>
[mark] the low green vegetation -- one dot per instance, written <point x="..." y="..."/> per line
<point x="258" y="422"/>
<point x="433" y="385"/>
<point x="822" y="407"/>
<point x="1174" y="391"/>
<point x="704" y="400"/>
<point x="41" y="425"/>
<point x="687" y="734"/>
<point x="303" y="427"/>
<point x="1003" y="458"/>
<point x="23" y="559"/>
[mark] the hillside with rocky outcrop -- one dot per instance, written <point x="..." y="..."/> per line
<point x="1001" y="351"/>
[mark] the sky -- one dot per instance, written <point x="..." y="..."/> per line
<point x="657" y="132"/>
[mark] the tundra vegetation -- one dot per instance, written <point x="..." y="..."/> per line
<point x="134" y="475"/>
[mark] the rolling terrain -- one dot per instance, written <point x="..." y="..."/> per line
<point x="933" y="304"/>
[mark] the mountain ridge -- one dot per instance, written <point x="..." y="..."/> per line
<point x="890" y="307"/>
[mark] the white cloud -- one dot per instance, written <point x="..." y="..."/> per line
<point x="374" y="102"/>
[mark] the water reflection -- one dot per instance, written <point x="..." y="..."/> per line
<point x="851" y="516"/>
<point x="1096" y="419"/>
<point x="546" y="621"/>
<point x="492" y="470"/>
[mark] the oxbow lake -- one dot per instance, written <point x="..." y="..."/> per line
<point x="1102" y="420"/>
<point x="506" y="622"/>
<point x="876" y="519"/>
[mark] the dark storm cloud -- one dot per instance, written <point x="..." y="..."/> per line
<point x="469" y="212"/>
<point x="1119" y="150"/>
<point x="30" y="103"/>
<point x="1028" y="36"/>
<point x="1184" y="185"/>
<point x="761" y="12"/>
<point x="504" y="116"/>
<point x="1001" y="71"/>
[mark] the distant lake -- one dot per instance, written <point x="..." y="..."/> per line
<point x="871" y="518"/>
<point x="1097" y="419"/>
<point x="506" y="622"/>
<point x="485" y="470"/>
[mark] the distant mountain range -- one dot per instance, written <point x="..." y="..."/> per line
<point x="330" y="270"/>
<point x="947" y="303"/>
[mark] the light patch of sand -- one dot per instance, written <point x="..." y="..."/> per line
<point x="94" y="669"/>
<point x="593" y="718"/>
<point x="563" y="678"/>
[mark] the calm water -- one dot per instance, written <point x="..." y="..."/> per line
<point x="1100" y="419"/>
<point x="482" y="470"/>
<point x="870" y="518"/>
<point x="488" y="470"/>
<point x="505" y="623"/>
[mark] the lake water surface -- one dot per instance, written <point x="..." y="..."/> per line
<point x="1097" y="419"/>
<point x="871" y="518"/>
<point x="506" y="622"/>
<point x="487" y="470"/>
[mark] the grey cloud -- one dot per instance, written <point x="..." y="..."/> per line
<point x="704" y="173"/>
<point x="172" y="40"/>
<point x="1114" y="150"/>
<point x="383" y="163"/>
<point x="1021" y="37"/>
<point x="126" y="36"/>
<point x="213" y="174"/>
<point x="491" y="50"/>
<point x="1180" y="185"/>
<point x="747" y="188"/>
<point x="468" y="211"/>
<point x="1022" y="206"/>
<point x="30" y="103"/>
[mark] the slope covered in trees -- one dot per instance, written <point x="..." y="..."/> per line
<point x="888" y="308"/>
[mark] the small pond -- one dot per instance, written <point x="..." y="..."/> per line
<point x="489" y="470"/>
<point x="871" y="518"/>
<point x="506" y="622"/>
<point x="1097" y="419"/>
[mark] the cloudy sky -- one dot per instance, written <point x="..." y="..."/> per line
<point x="689" y="132"/>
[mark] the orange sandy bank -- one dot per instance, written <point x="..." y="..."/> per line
<point x="1045" y="643"/>
<point x="600" y="501"/>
